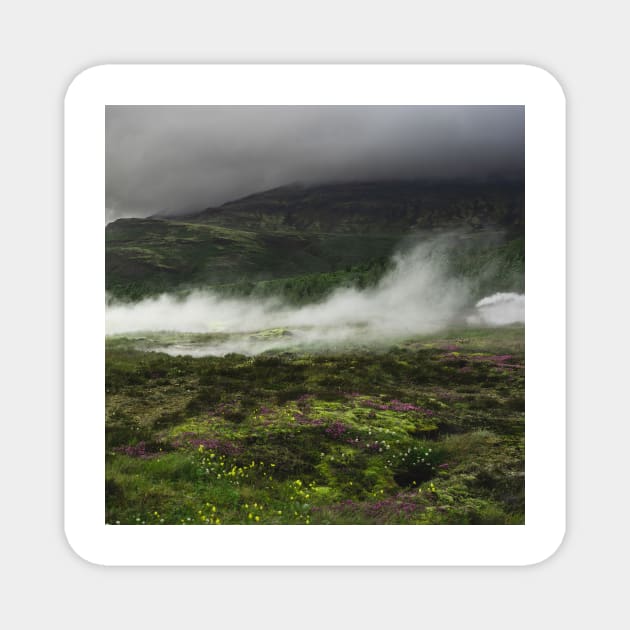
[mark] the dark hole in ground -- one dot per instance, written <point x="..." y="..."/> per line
<point x="420" y="473"/>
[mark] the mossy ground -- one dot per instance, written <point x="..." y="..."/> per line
<point x="429" y="430"/>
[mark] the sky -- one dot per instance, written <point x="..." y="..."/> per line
<point x="185" y="158"/>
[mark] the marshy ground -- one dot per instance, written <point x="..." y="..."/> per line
<point x="426" y="430"/>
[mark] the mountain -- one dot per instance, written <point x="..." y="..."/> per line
<point x="391" y="206"/>
<point x="302" y="241"/>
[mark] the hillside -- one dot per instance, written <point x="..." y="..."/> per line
<point x="374" y="207"/>
<point x="301" y="242"/>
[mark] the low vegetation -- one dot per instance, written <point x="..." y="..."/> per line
<point x="428" y="430"/>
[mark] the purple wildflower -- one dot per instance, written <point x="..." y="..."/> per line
<point x="336" y="429"/>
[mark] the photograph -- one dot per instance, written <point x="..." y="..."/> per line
<point x="314" y="315"/>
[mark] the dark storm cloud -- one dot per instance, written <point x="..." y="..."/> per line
<point x="184" y="158"/>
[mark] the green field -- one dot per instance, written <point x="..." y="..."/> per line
<point x="426" y="430"/>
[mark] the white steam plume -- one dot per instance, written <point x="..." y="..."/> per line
<point x="499" y="309"/>
<point x="416" y="297"/>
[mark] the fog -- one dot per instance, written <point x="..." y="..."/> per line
<point x="185" y="158"/>
<point x="417" y="296"/>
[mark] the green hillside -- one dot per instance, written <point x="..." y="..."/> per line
<point x="303" y="242"/>
<point x="147" y="256"/>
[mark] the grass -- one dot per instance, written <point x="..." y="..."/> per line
<point x="146" y="257"/>
<point x="428" y="430"/>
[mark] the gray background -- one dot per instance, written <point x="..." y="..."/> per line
<point x="44" y="45"/>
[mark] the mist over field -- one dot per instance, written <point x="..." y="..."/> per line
<point x="314" y="315"/>
<point x="417" y="296"/>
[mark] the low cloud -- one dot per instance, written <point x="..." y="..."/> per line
<point x="167" y="158"/>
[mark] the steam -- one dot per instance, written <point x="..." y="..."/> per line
<point x="499" y="309"/>
<point x="416" y="297"/>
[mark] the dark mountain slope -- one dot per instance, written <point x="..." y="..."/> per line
<point x="317" y="237"/>
<point x="374" y="207"/>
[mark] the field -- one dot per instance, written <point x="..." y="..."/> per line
<point x="423" y="430"/>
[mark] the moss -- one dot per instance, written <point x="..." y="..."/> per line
<point x="387" y="436"/>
